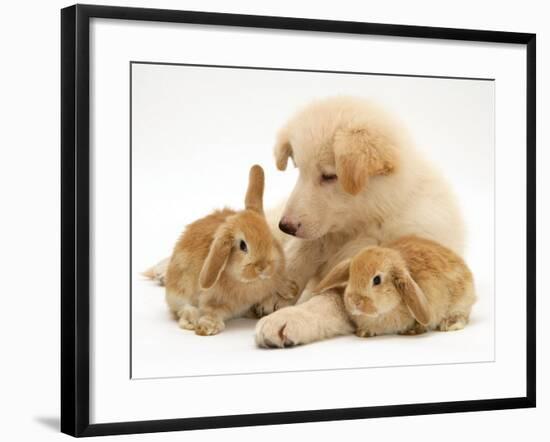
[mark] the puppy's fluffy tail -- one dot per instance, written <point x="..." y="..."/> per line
<point x="157" y="272"/>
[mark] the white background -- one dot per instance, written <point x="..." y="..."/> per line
<point x="30" y="178"/>
<point x="197" y="130"/>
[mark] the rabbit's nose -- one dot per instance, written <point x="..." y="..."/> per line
<point x="263" y="270"/>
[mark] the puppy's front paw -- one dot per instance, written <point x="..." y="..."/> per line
<point x="209" y="325"/>
<point x="284" y="328"/>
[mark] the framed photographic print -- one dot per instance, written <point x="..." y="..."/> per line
<point x="275" y="220"/>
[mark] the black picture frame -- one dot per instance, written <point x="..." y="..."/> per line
<point x="75" y="212"/>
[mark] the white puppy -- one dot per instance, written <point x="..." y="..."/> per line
<point x="361" y="182"/>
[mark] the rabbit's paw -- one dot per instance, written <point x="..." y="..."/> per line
<point x="287" y="290"/>
<point x="186" y="324"/>
<point x="453" y="322"/>
<point x="188" y="317"/>
<point x="364" y="333"/>
<point x="416" y="329"/>
<point x="209" y="325"/>
<point x="270" y="304"/>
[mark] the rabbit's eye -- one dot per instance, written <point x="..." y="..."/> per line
<point x="243" y="246"/>
<point x="376" y="280"/>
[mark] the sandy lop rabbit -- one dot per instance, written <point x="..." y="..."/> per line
<point x="408" y="286"/>
<point x="225" y="263"/>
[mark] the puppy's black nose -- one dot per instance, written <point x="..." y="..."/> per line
<point x="288" y="227"/>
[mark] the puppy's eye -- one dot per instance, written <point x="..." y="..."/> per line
<point x="243" y="246"/>
<point x="328" y="177"/>
<point x="376" y="280"/>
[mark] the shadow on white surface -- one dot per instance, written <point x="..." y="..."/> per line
<point x="49" y="422"/>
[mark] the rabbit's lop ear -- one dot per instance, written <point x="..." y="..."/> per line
<point x="255" y="192"/>
<point x="337" y="277"/>
<point x="412" y="295"/>
<point x="283" y="150"/>
<point x="216" y="259"/>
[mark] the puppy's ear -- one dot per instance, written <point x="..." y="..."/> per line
<point x="255" y="191"/>
<point x="352" y="160"/>
<point x="217" y="258"/>
<point x="283" y="150"/>
<point x="362" y="152"/>
<point x="337" y="277"/>
<point x="412" y="295"/>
